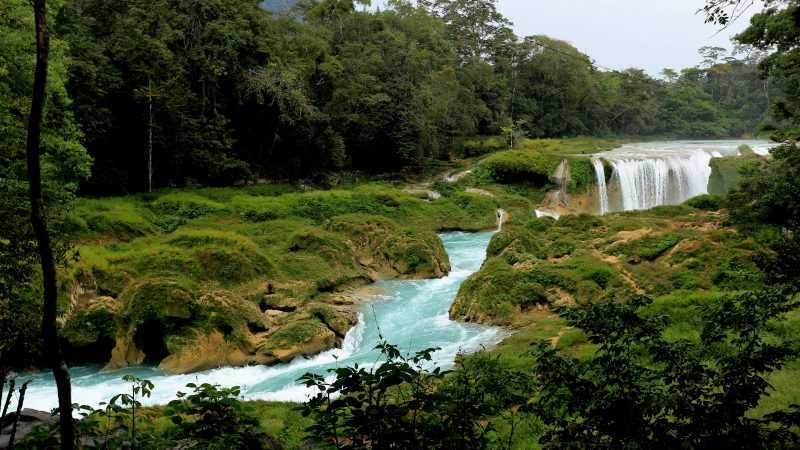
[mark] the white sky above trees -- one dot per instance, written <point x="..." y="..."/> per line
<point x="618" y="34"/>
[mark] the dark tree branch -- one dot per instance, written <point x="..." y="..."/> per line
<point x="38" y="221"/>
<point x="19" y="412"/>
<point x="11" y="385"/>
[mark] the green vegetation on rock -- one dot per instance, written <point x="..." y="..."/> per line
<point x="584" y="259"/>
<point x="726" y="172"/>
<point x="245" y="275"/>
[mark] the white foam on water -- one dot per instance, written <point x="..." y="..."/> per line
<point x="762" y="150"/>
<point x="442" y="320"/>
<point x="541" y="213"/>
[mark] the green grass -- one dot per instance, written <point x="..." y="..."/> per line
<point x="111" y="218"/>
<point x="585" y="259"/>
<point x="519" y="166"/>
<point x="648" y="248"/>
<point x="282" y="421"/>
<point x="481" y="145"/>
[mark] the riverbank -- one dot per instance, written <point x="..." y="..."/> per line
<point x="409" y="313"/>
<point x="198" y="279"/>
<point x="259" y="274"/>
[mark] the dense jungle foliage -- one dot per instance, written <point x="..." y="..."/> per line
<point x="225" y="91"/>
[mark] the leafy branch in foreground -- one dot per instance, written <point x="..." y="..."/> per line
<point x="209" y="417"/>
<point x="401" y="405"/>
<point x="213" y="417"/>
<point x="642" y="391"/>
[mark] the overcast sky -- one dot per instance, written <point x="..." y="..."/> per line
<point x="618" y="34"/>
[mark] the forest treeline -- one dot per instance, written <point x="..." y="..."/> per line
<point x="167" y="92"/>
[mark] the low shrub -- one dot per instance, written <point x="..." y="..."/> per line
<point x="186" y="205"/>
<point x="517" y="166"/>
<point x="708" y="202"/>
<point x="481" y="145"/>
<point x="581" y="174"/>
<point x="117" y="218"/>
<point x="649" y="247"/>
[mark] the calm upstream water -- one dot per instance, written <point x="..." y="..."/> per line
<point x="411" y="314"/>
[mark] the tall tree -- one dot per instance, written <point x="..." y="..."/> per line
<point x="475" y="26"/>
<point x="776" y="31"/>
<point x="39" y="223"/>
<point x="64" y="164"/>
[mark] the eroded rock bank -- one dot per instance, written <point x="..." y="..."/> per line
<point x="222" y="291"/>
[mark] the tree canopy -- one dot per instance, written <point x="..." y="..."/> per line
<point x="225" y="91"/>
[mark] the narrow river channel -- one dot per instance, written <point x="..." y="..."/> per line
<point x="412" y="314"/>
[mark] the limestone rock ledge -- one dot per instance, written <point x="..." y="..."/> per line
<point x="183" y="323"/>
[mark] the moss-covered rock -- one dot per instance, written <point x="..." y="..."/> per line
<point x="519" y="166"/>
<point x="299" y="338"/>
<point x="726" y="171"/>
<point x="238" y="272"/>
<point x="387" y="250"/>
<point x="499" y="291"/>
<point x="580" y="259"/>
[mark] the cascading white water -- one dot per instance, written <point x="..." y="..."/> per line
<point x="660" y="173"/>
<point x="602" y="188"/>
<point x="541" y="213"/>
<point x="647" y="183"/>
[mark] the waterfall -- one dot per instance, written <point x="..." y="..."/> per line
<point x="649" y="174"/>
<point x="602" y="188"/>
<point x="541" y="213"/>
<point x="501" y="218"/>
<point x="562" y="176"/>
<point x="645" y="183"/>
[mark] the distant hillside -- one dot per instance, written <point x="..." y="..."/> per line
<point x="278" y="5"/>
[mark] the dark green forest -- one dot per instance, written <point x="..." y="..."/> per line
<point x="217" y="92"/>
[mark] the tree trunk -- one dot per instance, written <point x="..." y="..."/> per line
<point x="49" y="309"/>
<point x="21" y="401"/>
<point x="2" y="387"/>
<point x="11" y="385"/>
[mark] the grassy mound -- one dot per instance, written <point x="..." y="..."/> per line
<point x="534" y="161"/>
<point x="518" y="166"/>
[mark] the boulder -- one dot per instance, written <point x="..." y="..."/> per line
<point x="28" y="420"/>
